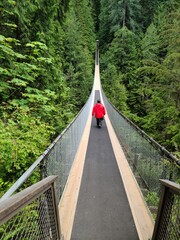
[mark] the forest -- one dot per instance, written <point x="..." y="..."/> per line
<point x="47" y="50"/>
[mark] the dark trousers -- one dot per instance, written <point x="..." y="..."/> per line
<point x="99" y="121"/>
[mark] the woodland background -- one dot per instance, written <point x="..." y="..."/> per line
<point x="47" y="52"/>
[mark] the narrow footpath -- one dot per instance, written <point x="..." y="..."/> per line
<point x="102" y="210"/>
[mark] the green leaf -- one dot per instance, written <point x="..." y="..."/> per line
<point x="4" y="71"/>
<point x="19" y="82"/>
<point x="2" y="38"/>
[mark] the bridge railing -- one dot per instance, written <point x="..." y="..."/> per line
<point x="58" y="158"/>
<point x="149" y="161"/>
<point x="32" y="213"/>
<point x="168" y="217"/>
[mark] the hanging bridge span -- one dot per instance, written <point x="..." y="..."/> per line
<point x="113" y="182"/>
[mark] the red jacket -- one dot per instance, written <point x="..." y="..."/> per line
<point x="98" y="110"/>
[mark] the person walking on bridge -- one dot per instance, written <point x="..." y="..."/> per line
<point x="99" y="112"/>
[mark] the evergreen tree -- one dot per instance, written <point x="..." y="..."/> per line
<point x="105" y="34"/>
<point x="38" y="94"/>
<point x="79" y="51"/>
<point x="117" y="94"/>
<point x="125" y="13"/>
<point x="160" y="79"/>
<point x="148" y="67"/>
<point x="149" y="8"/>
<point x="96" y="9"/>
<point x="150" y="43"/>
<point x="115" y="15"/>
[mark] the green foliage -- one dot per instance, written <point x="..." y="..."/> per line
<point x="147" y="66"/>
<point x="115" y="15"/>
<point x="123" y="56"/>
<point x="152" y="199"/>
<point x="124" y="13"/>
<point x="46" y="60"/>
<point x="78" y="61"/>
<point x="15" y="226"/>
<point x="96" y="5"/>
<point x="117" y="93"/>
<point x="23" y="139"/>
<point x="150" y="43"/>
<point x="123" y="53"/>
<point x="149" y="8"/>
<point x="160" y="81"/>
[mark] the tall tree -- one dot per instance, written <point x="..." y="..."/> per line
<point x="121" y="60"/>
<point x="95" y="13"/>
<point x="117" y="94"/>
<point x="118" y="14"/>
<point x="150" y="43"/>
<point x="123" y="52"/>
<point x="79" y="51"/>
<point x="105" y="35"/>
<point x="160" y="78"/>
<point x="149" y="8"/>
<point x="37" y="91"/>
<point x="125" y="13"/>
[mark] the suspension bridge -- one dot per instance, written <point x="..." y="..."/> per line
<point x="97" y="184"/>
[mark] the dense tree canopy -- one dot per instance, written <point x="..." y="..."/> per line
<point x="47" y="58"/>
<point x="146" y="62"/>
<point x="46" y="55"/>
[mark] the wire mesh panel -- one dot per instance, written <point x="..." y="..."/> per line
<point x="60" y="158"/>
<point x="36" y="220"/>
<point x="149" y="161"/>
<point x="168" y="219"/>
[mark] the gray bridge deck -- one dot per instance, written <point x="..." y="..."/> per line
<point x="102" y="209"/>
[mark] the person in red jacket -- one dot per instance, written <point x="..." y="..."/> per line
<point x="99" y="112"/>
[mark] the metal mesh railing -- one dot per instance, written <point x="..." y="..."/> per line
<point x="36" y="219"/>
<point x="168" y="218"/>
<point x="58" y="158"/>
<point x="149" y="161"/>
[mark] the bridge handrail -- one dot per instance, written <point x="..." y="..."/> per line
<point x="149" y="161"/>
<point x="42" y="211"/>
<point x="30" y="170"/>
<point x="150" y="139"/>
<point x="167" y="224"/>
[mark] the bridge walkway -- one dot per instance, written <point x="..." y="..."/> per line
<point x="102" y="210"/>
<point x="101" y="199"/>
